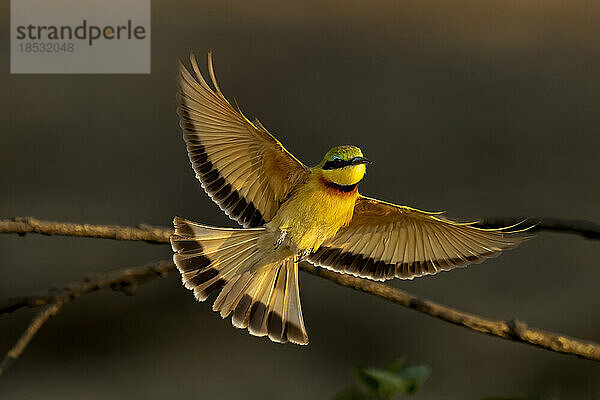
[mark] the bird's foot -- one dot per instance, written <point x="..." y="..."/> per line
<point x="303" y="254"/>
<point x="280" y="239"/>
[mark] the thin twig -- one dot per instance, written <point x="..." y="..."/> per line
<point x="35" y="325"/>
<point x="511" y="330"/>
<point x="125" y="280"/>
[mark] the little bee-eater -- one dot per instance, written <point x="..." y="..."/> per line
<point x="290" y="212"/>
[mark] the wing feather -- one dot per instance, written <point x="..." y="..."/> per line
<point x="244" y="169"/>
<point x="384" y="241"/>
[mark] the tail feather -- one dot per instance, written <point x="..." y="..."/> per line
<point x="234" y="295"/>
<point x="277" y="312"/>
<point x="262" y="296"/>
<point x="294" y="326"/>
<point x="256" y="319"/>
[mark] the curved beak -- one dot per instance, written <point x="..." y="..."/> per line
<point x="360" y="160"/>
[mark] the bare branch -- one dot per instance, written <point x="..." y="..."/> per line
<point x="125" y="280"/>
<point x="511" y="330"/>
<point x="24" y="225"/>
<point x="128" y="279"/>
<point x="34" y="326"/>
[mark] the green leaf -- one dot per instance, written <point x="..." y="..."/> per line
<point x="386" y="384"/>
<point x="416" y="376"/>
<point x="366" y="380"/>
<point x="396" y="365"/>
<point x="381" y="383"/>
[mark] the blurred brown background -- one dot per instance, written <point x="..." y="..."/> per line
<point x="481" y="108"/>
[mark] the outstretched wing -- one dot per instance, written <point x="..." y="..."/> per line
<point x="242" y="167"/>
<point x="385" y="241"/>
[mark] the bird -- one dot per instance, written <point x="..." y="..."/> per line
<point x="289" y="213"/>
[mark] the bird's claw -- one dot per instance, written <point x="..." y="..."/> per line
<point x="280" y="239"/>
<point x="303" y="254"/>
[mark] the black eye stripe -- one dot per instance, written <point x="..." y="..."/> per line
<point x="337" y="163"/>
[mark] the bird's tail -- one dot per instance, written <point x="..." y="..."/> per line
<point x="262" y="297"/>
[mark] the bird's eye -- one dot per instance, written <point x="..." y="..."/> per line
<point x="334" y="163"/>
